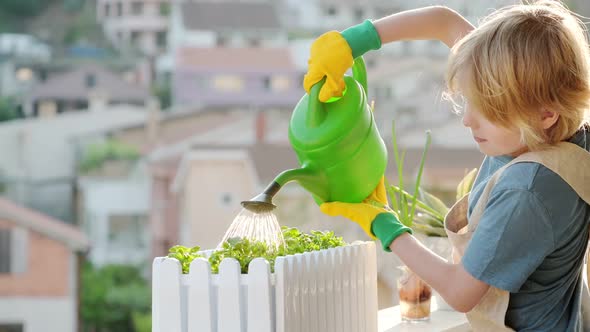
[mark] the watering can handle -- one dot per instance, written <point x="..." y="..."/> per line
<point x="317" y="111"/>
<point x="359" y="72"/>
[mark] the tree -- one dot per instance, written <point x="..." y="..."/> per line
<point x="164" y="94"/>
<point x="110" y="297"/>
<point x="8" y="109"/>
<point x="23" y="8"/>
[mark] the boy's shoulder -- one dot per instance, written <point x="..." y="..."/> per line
<point x="547" y="186"/>
<point x="538" y="178"/>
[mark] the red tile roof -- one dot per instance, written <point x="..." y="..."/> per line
<point x="48" y="226"/>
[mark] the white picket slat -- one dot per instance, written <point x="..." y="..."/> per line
<point x="313" y="276"/>
<point x="305" y="299"/>
<point x="230" y="316"/>
<point x="360" y="288"/>
<point x="338" y="297"/>
<point x="325" y="286"/>
<point x="201" y="313"/>
<point x="260" y="318"/>
<point x="353" y="306"/>
<point x="346" y="300"/>
<point x="371" y="303"/>
<point x="156" y="302"/>
<point x="295" y="323"/>
<point x="281" y="287"/>
<point x="291" y="291"/>
<point x="169" y="308"/>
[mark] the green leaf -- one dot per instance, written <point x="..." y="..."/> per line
<point x="421" y="206"/>
<point x="464" y="187"/>
<point x="429" y="230"/>
<point x="419" y="176"/>
<point x="434" y="202"/>
<point x="427" y="219"/>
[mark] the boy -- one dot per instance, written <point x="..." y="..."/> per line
<point x="524" y="73"/>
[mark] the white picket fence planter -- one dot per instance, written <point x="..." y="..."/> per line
<point x="326" y="290"/>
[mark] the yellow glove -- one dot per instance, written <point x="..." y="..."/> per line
<point x="333" y="53"/>
<point x="373" y="215"/>
<point x="330" y="57"/>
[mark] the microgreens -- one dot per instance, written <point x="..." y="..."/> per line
<point x="245" y="250"/>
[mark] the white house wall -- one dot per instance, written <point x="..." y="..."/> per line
<point x="39" y="314"/>
<point x="104" y="198"/>
<point x="209" y="183"/>
<point x="301" y="14"/>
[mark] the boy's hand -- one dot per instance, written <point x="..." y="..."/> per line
<point x="333" y="53"/>
<point x="373" y="215"/>
<point x="330" y="57"/>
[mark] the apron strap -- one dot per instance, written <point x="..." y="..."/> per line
<point x="569" y="161"/>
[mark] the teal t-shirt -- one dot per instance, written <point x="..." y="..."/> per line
<point x="531" y="241"/>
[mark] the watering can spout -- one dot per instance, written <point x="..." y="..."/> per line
<point x="313" y="181"/>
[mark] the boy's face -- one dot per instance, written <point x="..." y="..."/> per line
<point x="493" y="140"/>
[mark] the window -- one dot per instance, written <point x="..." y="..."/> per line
<point x="5" y="250"/>
<point x="331" y="11"/>
<point x="137" y="8"/>
<point x="359" y="13"/>
<point x="13" y="250"/>
<point x="406" y="47"/>
<point x="221" y="41"/>
<point x="134" y="37"/>
<point x="90" y="80"/>
<point x="127" y="231"/>
<point x="280" y="83"/>
<point x="266" y="83"/>
<point x="11" y="328"/>
<point x="230" y="83"/>
<point x="254" y="42"/>
<point x="161" y="38"/>
<point x="24" y="74"/>
<point x="107" y="9"/>
<point x="119" y="9"/>
<point x="226" y="199"/>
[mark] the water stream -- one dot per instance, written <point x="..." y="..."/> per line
<point x="262" y="226"/>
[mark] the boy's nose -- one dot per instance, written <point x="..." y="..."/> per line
<point x="468" y="119"/>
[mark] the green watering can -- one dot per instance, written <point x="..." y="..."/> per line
<point x="339" y="148"/>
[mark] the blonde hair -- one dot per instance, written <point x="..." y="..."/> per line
<point x="524" y="59"/>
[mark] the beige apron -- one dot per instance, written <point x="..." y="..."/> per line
<point x="572" y="164"/>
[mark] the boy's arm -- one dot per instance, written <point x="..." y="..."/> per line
<point x="429" y="23"/>
<point x="332" y="53"/>
<point x="457" y="287"/>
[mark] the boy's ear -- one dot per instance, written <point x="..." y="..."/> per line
<point x="548" y="118"/>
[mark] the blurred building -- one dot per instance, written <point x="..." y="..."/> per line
<point x="23" y="46"/>
<point x="248" y="77"/>
<point x="117" y="202"/>
<point x="39" y="163"/>
<point x="39" y="271"/>
<point x="85" y="87"/>
<point x="19" y="56"/>
<point x="198" y="23"/>
<point x="135" y="25"/>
